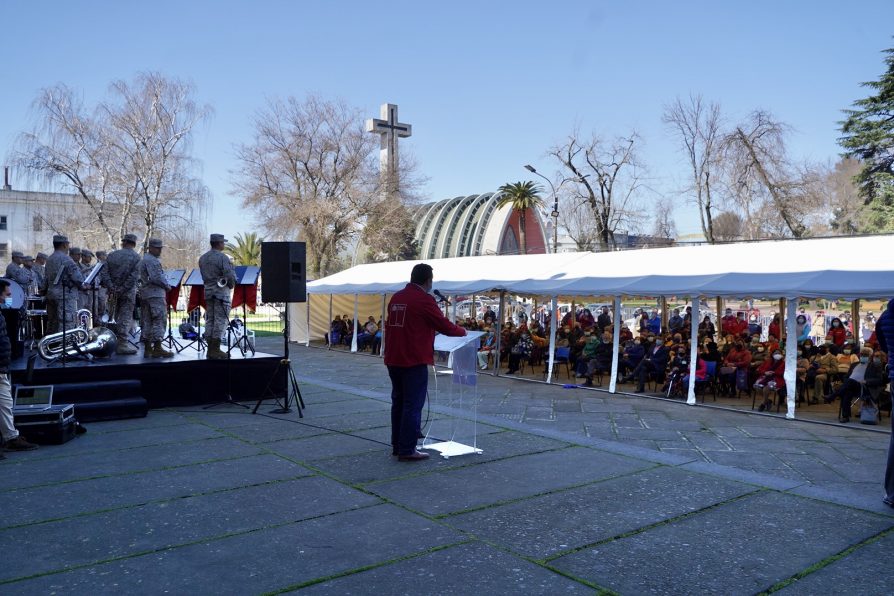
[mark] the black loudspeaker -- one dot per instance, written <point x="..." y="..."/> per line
<point x="283" y="272"/>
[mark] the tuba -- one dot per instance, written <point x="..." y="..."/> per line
<point x="77" y="342"/>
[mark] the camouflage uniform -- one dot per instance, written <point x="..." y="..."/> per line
<point x="19" y="274"/>
<point x="152" y="298"/>
<point x="70" y="281"/>
<point x="87" y="295"/>
<point x="39" y="272"/>
<point x="102" y="294"/>
<point x="214" y="265"/>
<point x="120" y="276"/>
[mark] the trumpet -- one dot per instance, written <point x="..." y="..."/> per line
<point x="222" y="282"/>
<point x="98" y="341"/>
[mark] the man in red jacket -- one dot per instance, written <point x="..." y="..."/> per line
<point x="413" y="320"/>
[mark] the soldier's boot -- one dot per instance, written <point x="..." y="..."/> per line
<point x="214" y="351"/>
<point x="148" y="352"/>
<point x="125" y="347"/>
<point x="160" y="352"/>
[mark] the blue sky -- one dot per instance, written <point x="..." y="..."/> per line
<point x="487" y="86"/>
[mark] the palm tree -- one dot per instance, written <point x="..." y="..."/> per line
<point x="246" y="250"/>
<point x="522" y="196"/>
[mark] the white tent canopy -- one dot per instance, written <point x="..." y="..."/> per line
<point x="855" y="267"/>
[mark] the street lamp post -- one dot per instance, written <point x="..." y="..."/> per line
<point x="555" y="213"/>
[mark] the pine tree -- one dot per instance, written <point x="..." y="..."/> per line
<point x="868" y="135"/>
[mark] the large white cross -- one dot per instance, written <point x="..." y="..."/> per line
<point x="389" y="130"/>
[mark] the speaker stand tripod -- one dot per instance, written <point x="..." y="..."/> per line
<point x="291" y="389"/>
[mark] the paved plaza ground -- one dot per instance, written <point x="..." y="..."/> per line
<point x="575" y="492"/>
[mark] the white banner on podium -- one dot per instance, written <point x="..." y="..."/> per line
<point x="456" y="436"/>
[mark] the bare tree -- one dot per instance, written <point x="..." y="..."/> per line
<point x="758" y="163"/>
<point x="577" y="219"/>
<point x="728" y="226"/>
<point x="128" y="158"/>
<point x="664" y="224"/>
<point x="607" y="176"/>
<point x="697" y="126"/>
<point x="310" y="173"/>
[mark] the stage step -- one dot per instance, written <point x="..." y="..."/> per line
<point x="103" y="400"/>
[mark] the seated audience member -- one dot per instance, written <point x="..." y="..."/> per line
<point x="187" y="331"/>
<point x="770" y="378"/>
<point x="802" y="364"/>
<point x="687" y="318"/>
<point x="741" y="323"/>
<point x="678" y="367"/>
<point x="488" y="344"/>
<point x="643" y="322"/>
<point x="772" y="343"/>
<point x="866" y="379"/>
<point x="631" y="356"/>
<point x="701" y="371"/>
<point x="728" y="324"/>
<point x="846" y="358"/>
<point x="604" y="320"/>
<point x="712" y="354"/>
<point x="759" y="355"/>
<point x="586" y="319"/>
<point x="675" y="323"/>
<point x="601" y="362"/>
<point x="837" y="333"/>
<point x="706" y="328"/>
<point x="655" y="322"/>
<point x="654" y="363"/>
<point x="809" y="349"/>
<point x="736" y="363"/>
<point x="521" y="350"/>
<point x="366" y="333"/>
<point x="587" y="353"/>
<point x="822" y="366"/>
<point x="802" y="329"/>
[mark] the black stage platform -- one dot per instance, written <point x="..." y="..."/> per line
<point x="186" y="379"/>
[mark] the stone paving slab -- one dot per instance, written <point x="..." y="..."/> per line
<point x="270" y="430"/>
<point x="139" y="437"/>
<point x="513" y="478"/>
<point x="260" y="561"/>
<point x="64" y="500"/>
<point x="380" y="465"/>
<point x="462" y="569"/>
<point x="542" y="527"/>
<point x="68" y="467"/>
<point x="742" y="547"/>
<point x="863" y="573"/>
<point x="73" y="542"/>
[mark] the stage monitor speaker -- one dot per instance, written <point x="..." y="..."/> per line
<point x="283" y="272"/>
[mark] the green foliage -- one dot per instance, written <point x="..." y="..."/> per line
<point x="390" y="233"/>
<point x="522" y="196"/>
<point x="868" y="134"/>
<point x="246" y="250"/>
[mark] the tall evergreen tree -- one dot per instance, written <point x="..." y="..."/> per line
<point x="521" y="196"/>
<point x="868" y="134"/>
<point x="246" y="250"/>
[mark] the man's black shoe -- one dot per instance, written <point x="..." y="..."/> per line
<point x="415" y="456"/>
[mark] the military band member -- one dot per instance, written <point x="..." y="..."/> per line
<point x="120" y="276"/>
<point x="87" y="294"/>
<point x="40" y="269"/>
<point x="15" y="272"/>
<point x="153" y="289"/>
<point x="214" y="266"/>
<point x="61" y="284"/>
<point x="28" y="267"/>
<point x="102" y="294"/>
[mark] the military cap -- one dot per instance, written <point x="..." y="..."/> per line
<point x="129" y="238"/>
<point x="27" y="258"/>
<point x="155" y="243"/>
<point x="100" y="253"/>
<point x="74" y="250"/>
<point x="60" y="238"/>
<point x="218" y="238"/>
<point x="40" y="255"/>
<point x="86" y="253"/>
<point x="18" y="253"/>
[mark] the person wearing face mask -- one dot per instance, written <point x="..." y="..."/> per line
<point x="601" y="362"/>
<point x="588" y="352"/>
<point x="810" y="350"/>
<point x="488" y="343"/>
<point x="654" y="363"/>
<point x="706" y="328"/>
<point x="728" y="324"/>
<point x="802" y="329"/>
<point x="846" y="358"/>
<point x="801" y="366"/>
<point x="632" y="356"/>
<point x="865" y="380"/>
<point x="822" y="365"/>
<point x="770" y="378"/>
<point x="734" y="372"/>
<point x="837" y="333"/>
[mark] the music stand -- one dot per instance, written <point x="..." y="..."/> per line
<point x="174" y="277"/>
<point x="196" y="284"/>
<point x="90" y="281"/>
<point x="246" y="277"/>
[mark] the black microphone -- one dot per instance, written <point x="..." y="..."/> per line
<point x="441" y="297"/>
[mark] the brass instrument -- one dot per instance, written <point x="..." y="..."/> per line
<point x="222" y="282"/>
<point x="96" y="342"/>
<point x="84" y="319"/>
<point x="107" y="318"/>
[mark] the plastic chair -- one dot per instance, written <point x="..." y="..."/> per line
<point x="563" y="355"/>
<point x="710" y="379"/>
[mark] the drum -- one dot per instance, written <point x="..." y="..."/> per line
<point x="35" y="302"/>
<point x="18" y="294"/>
<point x="38" y="321"/>
<point x="13" y="322"/>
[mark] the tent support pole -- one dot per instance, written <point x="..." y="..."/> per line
<point x="307" y="321"/>
<point x="782" y="333"/>
<point x="354" y="337"/>
<point x="791" y="357"/>
<point x="718" y="314"/>
<point x="329" y="335"/>
<point x="855" y="323"/>
<point x="382" y="343"/>
<point x="693" y="349"/>
<point x="662" y="305"/>
<point x="616" y="341"/>
<point x="552" y="340"/>
<point x="499" y="332"/>
<point x="453" y="309"/>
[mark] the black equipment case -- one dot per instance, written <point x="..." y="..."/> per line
<point x="53" y="426"/>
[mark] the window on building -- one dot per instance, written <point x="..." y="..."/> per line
<point x="4" y="249"/>
<point x="37" y="225"/>
<point x="2" y="222"/>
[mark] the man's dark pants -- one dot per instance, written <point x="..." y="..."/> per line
<point x="889" y="472"/>
<point x="409" y="385"/>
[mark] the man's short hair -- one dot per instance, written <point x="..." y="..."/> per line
<point x="3" y="284"/>
<point x="421" y="274"/>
